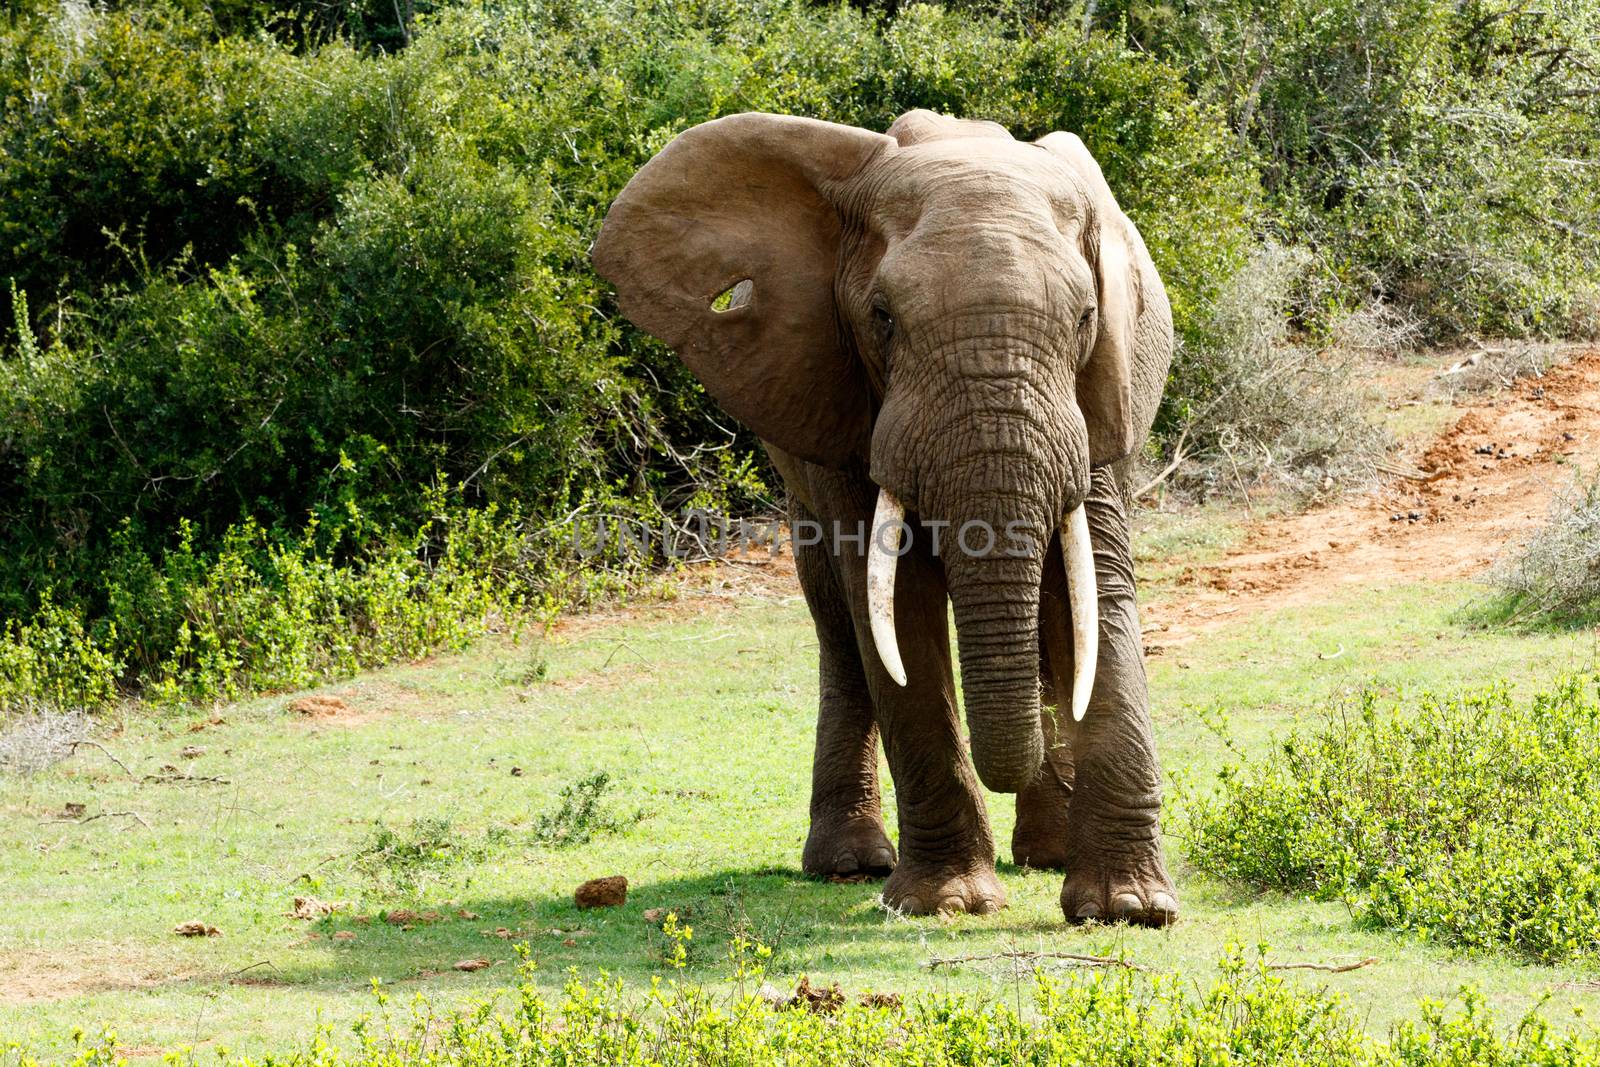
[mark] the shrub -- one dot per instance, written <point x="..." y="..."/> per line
<point x="1473" y="820"/>
<point x="34" y="737"/>
<point x="1254" y="406"/>
<point x="582" y="815"/>
<point x="432" y="844"/>
<point x="1555" y="577"/>
<point x="1432" y="153"/>
<point x="1245" y="1016"/>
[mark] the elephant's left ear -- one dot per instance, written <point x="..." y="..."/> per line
<point x="1105" y="391"/>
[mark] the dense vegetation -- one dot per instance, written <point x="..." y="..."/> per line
<point x="1473" y="820"/>
<point x="306" y="365"/>
<point x="1246" y="1016"/>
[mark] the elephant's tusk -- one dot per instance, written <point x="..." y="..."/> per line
<point x="881" y="564"/>
<point x="1084" y="600"/>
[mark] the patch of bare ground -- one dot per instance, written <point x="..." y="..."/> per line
<point x="1462" y="499"/>
<point x="32" y="975"/>
<point x="356" y="704"/>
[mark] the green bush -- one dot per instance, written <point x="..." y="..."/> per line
<point x="1473" y="820"/>
<point x="1432" y="153"/>
<point x="1246" y="1016"/>
<point x="266" y="288"/>
<point x="264" y="612"/>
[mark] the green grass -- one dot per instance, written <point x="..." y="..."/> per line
<point x="702" y="719"/>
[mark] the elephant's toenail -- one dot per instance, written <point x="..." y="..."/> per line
<point x="1126" y="904"/>
<point x="846" y="864"/>
<point x="1089" y="910"/>
<point x="1164" y="907"/>
<point x="912" y="905"/>
<point x="985" y="906"/>
<point x="952" y="905"/>
<point x="883" y="859"/>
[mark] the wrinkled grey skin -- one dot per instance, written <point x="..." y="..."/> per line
<point x="970" y="323"/>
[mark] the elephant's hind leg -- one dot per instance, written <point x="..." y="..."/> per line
<point x="847" y="835"/>
<point x="1039" y="838"/>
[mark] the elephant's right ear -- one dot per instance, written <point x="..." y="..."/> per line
<point x="726" y="246"/>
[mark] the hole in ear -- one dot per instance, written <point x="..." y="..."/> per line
<point x="735" y="296"/>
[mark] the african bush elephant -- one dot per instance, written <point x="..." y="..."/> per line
<point x="949" y="327"/>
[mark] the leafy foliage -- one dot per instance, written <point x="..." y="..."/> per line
<point x="582" y="815"/>
<point x="1246" y="1016"/>
<point x="1473" y="820"/>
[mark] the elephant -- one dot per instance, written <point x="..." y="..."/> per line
<point x="936" y="329"/>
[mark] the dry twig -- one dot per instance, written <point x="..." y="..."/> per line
<point x="104" y="751"/>
<point x="1331" y="968"/>
<point x="1073" y="957"/>
<point x="135" y="816"/>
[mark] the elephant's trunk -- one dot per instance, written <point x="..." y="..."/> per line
<point x="996" y="603"/>
<point x="1000" y="467"/>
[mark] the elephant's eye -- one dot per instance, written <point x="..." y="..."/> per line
<point x="1086" y="320"/>
<point x="883" y="324"/>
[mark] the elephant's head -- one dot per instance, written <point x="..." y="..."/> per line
<point x="950" y="306"/>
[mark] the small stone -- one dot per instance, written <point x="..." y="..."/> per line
<point x="609" y="892"/>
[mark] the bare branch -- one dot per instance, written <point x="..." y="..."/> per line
<point x="1079" y="958"/>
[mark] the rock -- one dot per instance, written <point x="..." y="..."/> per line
<point x="196" y="928"/>
<point x="472" y="965"/>
<point x="609" y="892"/>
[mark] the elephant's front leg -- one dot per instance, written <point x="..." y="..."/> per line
<point x="1115" y="868"/>
<point x="846" y="835"/>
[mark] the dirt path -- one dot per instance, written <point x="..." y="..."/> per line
<point x="1492" y="474"/>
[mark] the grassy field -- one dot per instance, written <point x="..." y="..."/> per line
<point x="701" y="713"/>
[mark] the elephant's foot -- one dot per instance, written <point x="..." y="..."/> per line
<point x="926" y="888"/>
<point x="855" y="846"/>
<point x="1122" y="886"/>
<point x="1039" y="838"/>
